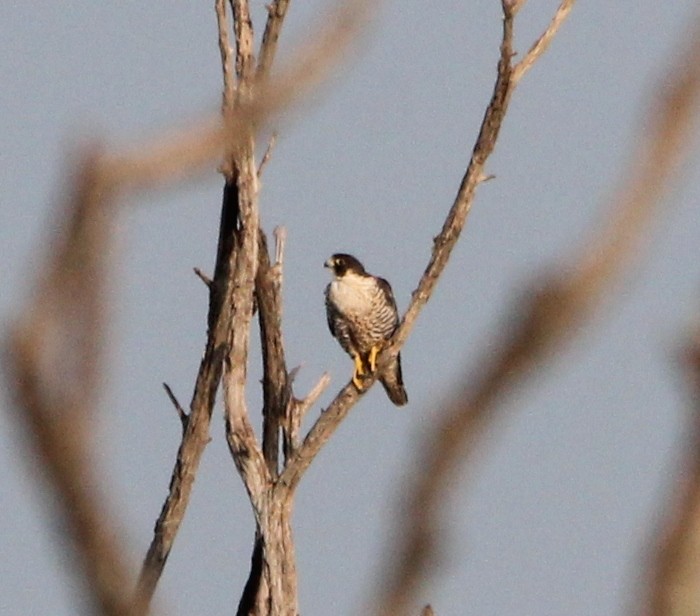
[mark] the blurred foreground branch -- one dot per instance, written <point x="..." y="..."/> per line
<point x="55" y="348"/>
<point x="54" y="356"/>
<point x="553" y="309"/>
<point x="674" y="588"/>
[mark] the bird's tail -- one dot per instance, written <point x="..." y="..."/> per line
<point x="392" y="380"/>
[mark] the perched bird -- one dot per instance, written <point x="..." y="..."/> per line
<point x="362" y="315"/>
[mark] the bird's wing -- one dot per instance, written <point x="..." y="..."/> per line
<point x="388" y="294"/>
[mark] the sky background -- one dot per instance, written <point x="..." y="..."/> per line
<point x="555" y="514"/>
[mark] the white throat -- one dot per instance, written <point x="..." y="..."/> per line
<point x="352" y="293"/>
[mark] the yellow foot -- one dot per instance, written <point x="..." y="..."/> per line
<point x="359" y="366"/>
<point x="358" y="375"/>
<point x="359" y="381"/>
<point x="373" y="352"/>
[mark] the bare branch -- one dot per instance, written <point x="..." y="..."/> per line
<point x="276" y="13"/>
<point x="240" y="436"/>
<point x="443" y="245"/>
<point x="243" y="30"/>
<point x="275" y="380"/>
<point x="511" y="7"/>
<point x="268" y="153"/>
<point x="280" y="241"/>
<point x="474" y="176"/>
<point x="196" y="435"/>
<point x="268" y="285"/>
<point x="318" y="436"/>
<point x="306" y="403"/>
<point x="542" y="43"/>
<point x="240" y="162"/>
<point x="296" y="410"/>
<point x="173" y="157"/>
<point x="552" y="312"/>
<point x="226" y="57"/>
<point x="180" y="411"/>
<point x="203" y="277"/>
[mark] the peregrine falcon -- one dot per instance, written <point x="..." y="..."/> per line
<point x="362" y="316"/>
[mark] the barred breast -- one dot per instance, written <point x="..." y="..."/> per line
<point x="363" y="304"/>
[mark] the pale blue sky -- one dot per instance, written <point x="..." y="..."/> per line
<point x="558" y="508"/>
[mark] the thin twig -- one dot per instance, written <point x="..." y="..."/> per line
<point x="203" y="277"/>
<point x="318" y="436"/>
<point x="296" y="411"/>
<point x="280" y="233"/>
<point x="268" y="153"/>
<point x="180" y="411"/>
<point x="542" y="43"/>
<point x="314" y="394"/>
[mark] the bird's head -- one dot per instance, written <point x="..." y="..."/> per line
<point x="340" y="264"/>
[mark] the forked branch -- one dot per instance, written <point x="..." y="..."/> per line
<point x="176" y="156"/>
<point x="326" y="425"/>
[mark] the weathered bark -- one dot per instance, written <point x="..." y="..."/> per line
<point x="279" y="570"/>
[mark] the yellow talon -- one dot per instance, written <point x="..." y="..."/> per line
<point x="358" y="374"/>
<point x="358" y="382"/>
<point x="364" y="368"/>
<point x="359" y="366"/>
<point x="373" y="352"/>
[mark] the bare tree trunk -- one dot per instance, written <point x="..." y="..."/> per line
<point x="271" y="589"/>
<point x="278" y="553"/>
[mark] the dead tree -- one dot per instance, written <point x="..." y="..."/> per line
<point x="65" y="316"/>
